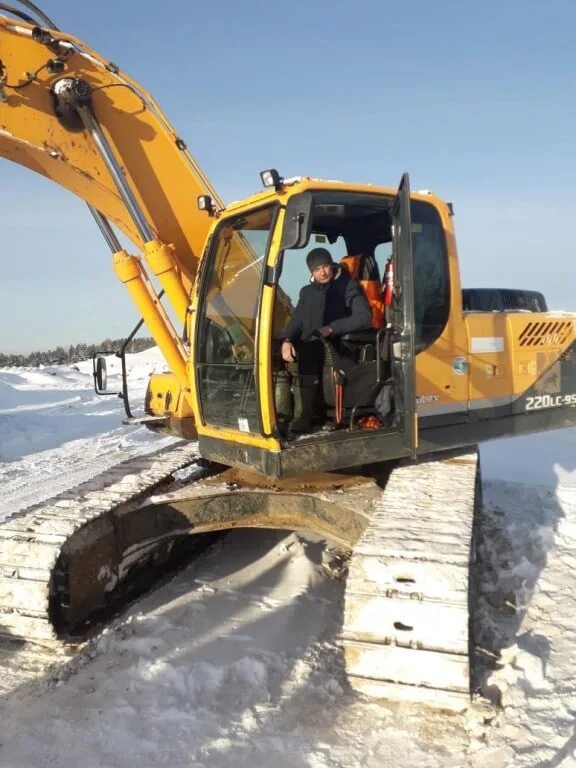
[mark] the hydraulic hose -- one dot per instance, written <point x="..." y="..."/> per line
<point x="16" y="12"/>
<point x="41" y="15"/>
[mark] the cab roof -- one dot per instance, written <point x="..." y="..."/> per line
<point x="302" y="184"/>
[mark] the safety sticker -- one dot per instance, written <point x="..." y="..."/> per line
<point x="480" y="344"/>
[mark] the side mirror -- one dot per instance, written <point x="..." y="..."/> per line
<point x="100" y="374"/>
<point x="297" y="222"/>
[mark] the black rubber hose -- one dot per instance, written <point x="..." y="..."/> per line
<point x="40" y="14"/>
<point x="16" y="12"/>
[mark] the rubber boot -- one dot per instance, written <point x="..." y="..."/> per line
<point x="304" y="389"/>
<point x="283" y="400"/>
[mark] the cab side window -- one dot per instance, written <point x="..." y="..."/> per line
<point x="431" y="279"/>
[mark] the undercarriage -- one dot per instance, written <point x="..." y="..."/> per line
<point x="406" y="530"/>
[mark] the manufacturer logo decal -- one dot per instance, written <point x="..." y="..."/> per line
<point x="460" y="366"/>
<point x="427" y="399"/>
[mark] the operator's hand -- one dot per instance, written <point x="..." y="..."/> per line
<point x="325" y="331"/>
<point x="288" y="352"/>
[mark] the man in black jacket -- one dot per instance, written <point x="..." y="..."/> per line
<point x="330" y="306"/>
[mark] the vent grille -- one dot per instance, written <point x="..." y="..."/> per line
<point x="553" y="333"/>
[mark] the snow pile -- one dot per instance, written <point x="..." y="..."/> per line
<point x="527" y="611"/>
<point x="231" y="664"/>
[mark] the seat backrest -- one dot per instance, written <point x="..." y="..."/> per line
<point x="364" y="269"/>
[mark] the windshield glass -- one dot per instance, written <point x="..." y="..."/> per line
<point x="227" y="338"/>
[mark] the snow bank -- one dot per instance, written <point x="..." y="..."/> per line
<point x="44" y="408"/>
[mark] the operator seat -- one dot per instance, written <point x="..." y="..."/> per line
<point x="355" y="387"/>
<point x="356" y="369"/>
<point x="360" y="385"/>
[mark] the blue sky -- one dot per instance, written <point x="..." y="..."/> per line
<point x="476" y="101"/>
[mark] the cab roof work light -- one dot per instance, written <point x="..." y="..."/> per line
<point x="271" y="178"/>
<point x="205" y="204"/>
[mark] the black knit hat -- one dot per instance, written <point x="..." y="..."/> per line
<point x="318" y="257"/>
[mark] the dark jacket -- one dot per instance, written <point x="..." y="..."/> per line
<point x="340" y="304"/>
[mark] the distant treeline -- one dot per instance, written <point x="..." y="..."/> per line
<point x="74" y="353"/>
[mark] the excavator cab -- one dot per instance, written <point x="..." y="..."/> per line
<point x="250" y="279"/>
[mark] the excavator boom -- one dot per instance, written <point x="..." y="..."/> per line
<point x="161" y="174"/>
<point x="75" y="118"/>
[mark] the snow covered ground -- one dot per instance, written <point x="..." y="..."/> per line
<point x="234" y="661"/>
<point x="56" y="432"/>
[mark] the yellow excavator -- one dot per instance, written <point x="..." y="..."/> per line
<point x="390" y="472"/>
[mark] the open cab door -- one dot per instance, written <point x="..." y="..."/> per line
<point x="402" y="319"/>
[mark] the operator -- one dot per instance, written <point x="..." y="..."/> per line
<point x="332" y="305"/>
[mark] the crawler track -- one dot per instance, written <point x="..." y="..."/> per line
<point x="406" y="624"/>
<point x="62" y="559"/>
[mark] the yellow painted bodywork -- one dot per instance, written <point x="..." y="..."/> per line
<point x="435" y="375"/>
<point x="489" y="378"/>
<point x="514" y="369"/>
<point x="453" y="376"/>
<point x="164" y="397"/>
